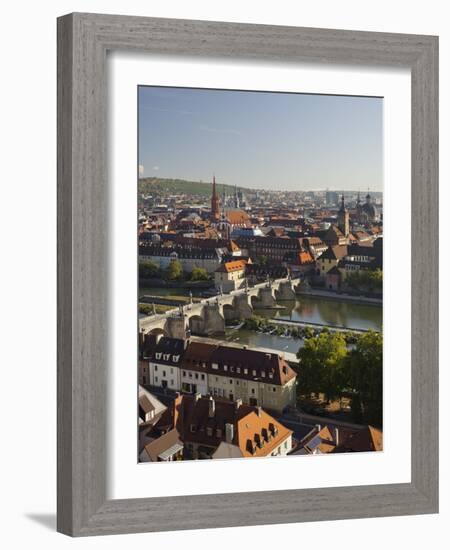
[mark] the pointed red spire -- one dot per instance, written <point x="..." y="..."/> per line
<point x="215" y="214"/>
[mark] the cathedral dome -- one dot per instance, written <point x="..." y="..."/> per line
<point x="370" y="210"/>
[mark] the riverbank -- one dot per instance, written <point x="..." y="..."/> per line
<point x="341" y="297"/>
<point x="319" y="326"/>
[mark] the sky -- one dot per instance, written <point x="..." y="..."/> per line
<point x="261" y="140"/>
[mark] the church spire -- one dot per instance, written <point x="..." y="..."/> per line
<point x="215" y="214"/>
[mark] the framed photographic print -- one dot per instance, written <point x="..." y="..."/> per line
<point x="247" y="274"/>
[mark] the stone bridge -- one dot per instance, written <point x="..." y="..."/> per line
<point x="208" y="316"/>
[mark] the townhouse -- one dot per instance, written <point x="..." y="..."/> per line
<point x="255" y="377"/>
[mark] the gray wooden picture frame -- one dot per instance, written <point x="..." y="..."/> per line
<point x="83" y="42"/>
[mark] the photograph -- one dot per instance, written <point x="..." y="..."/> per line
<point x="260" y="265"/>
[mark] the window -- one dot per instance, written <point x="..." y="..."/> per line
<point x="209" y="431"/>
<point x="164" y="373"/>
<point x="172" y="383"/>
<point x="274" y="389"/>
<point x="196" y="375"/>
<point x="156" y="379"/>
<point x="184" y="373"/>
<point x="245" y="371"/>
<point x="156" y="368"/>
<point x="231" y="381"/>
<point x="238" y="370"/>
<point x="254" y="372"/>
<point x="203" y="376"/>
<point x="225" y="368"/>
<point x="190" y="375"/>
<point x="253" y="391"/>
<point x="158" y="356"/>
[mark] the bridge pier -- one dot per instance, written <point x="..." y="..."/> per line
<point x="285" y="291"/>
<point x="211" y="321"/>
<point x="176" y="327"/>
<point x="266" y="298"/>
<point x="242" y="307"/>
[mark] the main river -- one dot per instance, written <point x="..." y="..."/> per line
<point x="308" y="309"/>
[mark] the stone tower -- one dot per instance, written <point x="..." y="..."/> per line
<point x="343" y="219"/>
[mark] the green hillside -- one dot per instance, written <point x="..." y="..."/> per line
<point x="174" y="186"/>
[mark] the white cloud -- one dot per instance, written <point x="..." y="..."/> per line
<point x="156" y="168"/>
<point x="141" y="170"/>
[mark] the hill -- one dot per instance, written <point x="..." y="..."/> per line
<point x="175" y="186"/>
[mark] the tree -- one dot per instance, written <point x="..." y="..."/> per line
<point x="199" y="274"/>
<point x="322" y="365"/>
<point x="148" y="269"/>
<point x="365" y="279"/>
<point x="175" y="270"/>
<point x="365" y="377"/>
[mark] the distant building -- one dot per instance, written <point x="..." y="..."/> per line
<point x="189" y="258"/>
<point x="331" y="198"/>
<point x="230" y="275"/>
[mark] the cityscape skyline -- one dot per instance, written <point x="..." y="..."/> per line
<point x="182" y="129"/>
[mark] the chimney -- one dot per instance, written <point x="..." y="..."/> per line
<point x="197" y="396"/>
<point x="237" y="404"/>
<point x="229" y="432"/>
<point x="336" y="436"/>
<point x="211" y="407"/>
<point x="259" y="411"/>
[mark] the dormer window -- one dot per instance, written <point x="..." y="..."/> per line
<point x="158" y="355"/>
<point x="238" y="370"/>
<point x="193" y="428"/>
<point x="176" y="358"/>
<point x="225" y="368"/>
<point x="263" y="373"/>
<point x="270" y="374"/>
<point x="166" y="356"/>
<point x="209" y="431"/>
<point x="245" y="371"/>
<point x="254" y="372"/>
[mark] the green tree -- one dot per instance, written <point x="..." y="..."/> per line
<point x="199" y="274"/>
<point x="322" y="365"/>
<point x="175" y="270"/>
<point x="365" y="377"/>
<point x="365" y="279"/>
<point x="148" y="269"/>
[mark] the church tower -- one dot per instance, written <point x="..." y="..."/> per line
<point x="215" y="213"/>
<point x="343" y="219"/>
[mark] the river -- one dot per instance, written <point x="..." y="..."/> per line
<point x="309" y="309"/>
